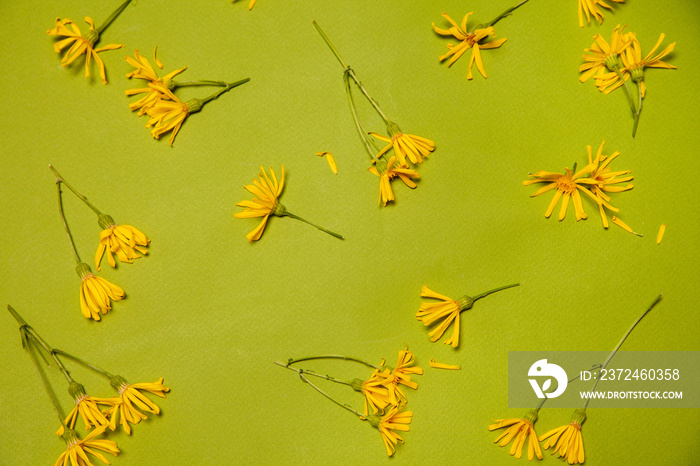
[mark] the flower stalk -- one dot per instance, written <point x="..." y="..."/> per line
<point x="508" y="12"/>
<point x="112" y="17"/>
<point x="60" y="179"/>
<point x="281" y="211"/>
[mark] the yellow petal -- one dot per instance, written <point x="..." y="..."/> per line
<point x="439" y="365"/>
<point x="660" y="236"/>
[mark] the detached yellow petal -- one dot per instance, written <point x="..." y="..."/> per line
<point x="331" y="161"/>
<point x="439" y="365"/>
<point x="660" y="236"/>
<point x="624" y="226"/>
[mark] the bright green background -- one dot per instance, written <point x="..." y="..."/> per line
<point x="210" y="312"/>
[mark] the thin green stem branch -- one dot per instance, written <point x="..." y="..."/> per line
<point x="331" y="356"/>
<point x="639" y="110"/>
<point x="315" y="374"/>
<point x="505" y="13"/>
<point x="47" y="387"/>
<point x="84" y="363"/>
<point x="176" y="84"/>
<point x="60" y="179"/>
<point x="486" y="293"/>
<point x="65" y="224"/>
<point x="227" y="87"/>
<point x="332" y="233"/>
<point x="630" y="100"/>
<point x="619" y="343"/>
<point x="111" y="17"/>
<point x="358" y="125"/>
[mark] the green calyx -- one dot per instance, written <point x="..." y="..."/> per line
<point x="356" y="385"/>
<point x="465" y="303"/>
<point x="637" y="74"/>
<point x="531" y="416"/>
<point x="105" y="221"/>
<point x="76" y="390"/>
<point x="374" y="420"/>
<point x="83" y="270"/>
<point x="280" y="210"/>
<point x="70" y="436"/>
<point x="579" y="416"/>
<point x="91" y="37"/>
<point x="612" y="62"/>
<point x="381" y="166"/>
<point x="392" y="129"/>
<point x="194" y="105"/>
<point x="117" y="382"/>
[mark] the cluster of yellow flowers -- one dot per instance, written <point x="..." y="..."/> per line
<point x="595" y="180"/>
<point x="131" y="402"/>
<point x="384" y="399"/>
<point x="613" y="64"/>
<point x="124" y="241"/>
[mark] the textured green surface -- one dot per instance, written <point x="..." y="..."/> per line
<point x="210" y="312"/>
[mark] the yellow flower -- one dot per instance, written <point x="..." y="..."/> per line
<point x="77" y="449"/>
<point x="131" y="400"/>
<point x="168" y="113"/>
<point x="405" y="145"/>
<point x="590" y="7"/>
<point x="394" y="419"/>
<point x="469" y="41"/>
<point x="267" y="190"/>
<point x="331" y="161"/>
<point x="567" y="185"/>
<point x="124" y="240"/>
<point x="86" y="407"/>
<point x="519" y="431"/>
<point x="401" y="375"/>
<point x="602" y="56"/>
<point x="569" y="443"/>
<point x="605" y="179"/>
<point x="447" y="309"/>
<point x="144" y="70"/>
<point x="80" y="44"/>
<point x="390" y="172"/>
<point x="96" y="293"/>
<point x="374" y="390"/>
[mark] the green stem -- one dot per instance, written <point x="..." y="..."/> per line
<point x="331" y="356"/>
<point x="111" y="17"/>
<point x="332" y="233"/>
<point x="349" y="72"/>
<point x="84" y="363"/>
<point x="65" y="224"/>
<point x="325" y="377"/>
<point x="59" y="179"/>
<point x="630" y="100"/>
<point x="619" y="343"/>
<point x="301" y="373"/>
<point x="176" y="84"/>
<point x="227" y="87"/>
<point x="639" y="110"/>
<point x="45" y="383"/>
<point x="486" y="293"/>
<point x="358" y="125"/>
<point x="503" y="15"/>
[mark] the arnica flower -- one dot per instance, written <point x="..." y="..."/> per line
<point x="519" y="431"/>
<point x="468" y="41"/>
<point x="144" y="70"/>
<point x="567" y="439"/>
<point x="77" y="449"/>
<point x="567" y="185"/>
<point x="122" y="240"/>
<point x="602" y="56"/>
<point x="401" y="375"/>
<point x="266" y="190"/>
<point x="634" y="65"/>
<point x="405" y="145"/>
<point x="96" y="293"/>
<point x="80" y="44"/>
<point x="605" y="179"/>
<point x="168" y="113"/>
<point x="391" y="171"/>
<point x="374" y="390"/>
<point x="590" y="8"/>
<point x="394" y="419"/>
<point x="85" y="407"/>
<point x="131" y="400"/>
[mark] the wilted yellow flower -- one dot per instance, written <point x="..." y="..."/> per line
<point x="130" y="395"/>
<point x="330" y="159"/>
<point x="122" y="240"/>
<point x="80" y="44"/>
<point x="96" y="293"/>
<point x="144" y="70"/>
<point x="468" y="41"/>
<point x="569" y="443"/>
<point x="394" y="419"/>
<point x="519" y="431"/>
<point x="390" y="172"/>
<point x="374" y="390"/>
<point x="405" y="145"/>
<point x="401" y="375"/>
<point x="77" y="449"/>
<point x="602" y="56"/>
<point x="567" y="185"/>
<point x="605" y="178"/>
<point x="447" y="309"/>
<point x="267" y="190"/>
<point x="168" y="113"/>
<point x="590" y="7"/>
<point x="86" y="407"/>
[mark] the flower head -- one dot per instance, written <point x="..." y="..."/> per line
<point x="447" y="309"/>
<point x="96" y="293"/>
<point x="168" y="113"/>
<point x="267" y="191"/>
<point x="590" y="8"/>
<point x="405" y="145"/>
<point x="122" y="240"/>
<point x="131" y="402"/>
<point x="394" y="419"/>
<point x="603" y="56"/>
<point x="469" y="40"/>
<point x="569" y="443"/>
<point x="77" y="449"/>
<point x="605" y="179"/>
<point x="519" y="431"/>
<point x="567" y="185"/>
<point x="401" y="375"/>
<point x="86" y="408"/>
<point x="374" y="390"/>
<point x="144" y="70"/>
<point x="80" y="44"/>
<point x="391" y="171"/>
